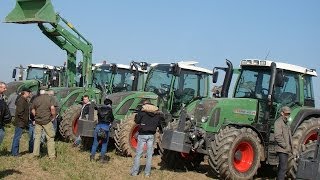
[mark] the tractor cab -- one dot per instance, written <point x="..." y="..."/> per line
<point x="279" y="84"/>
<point x="178" y="84"/>
<point x="113" y="78"/>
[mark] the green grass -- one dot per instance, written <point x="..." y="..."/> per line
<point x="73" y="163"/>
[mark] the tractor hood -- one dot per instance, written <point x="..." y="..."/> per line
<point x="212" y="113"/>
<point x="14" y="86"/>
<point x="116" y="98"/>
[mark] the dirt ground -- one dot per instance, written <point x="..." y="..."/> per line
<point x="73" y="163"/>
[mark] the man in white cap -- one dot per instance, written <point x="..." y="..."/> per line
<point x="283" y="138"/>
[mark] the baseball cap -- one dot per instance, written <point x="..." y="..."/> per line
<point x="286" y="109"/>
<point x="25" y="89"/>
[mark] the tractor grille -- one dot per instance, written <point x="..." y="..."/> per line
<point x="203" y="109"/>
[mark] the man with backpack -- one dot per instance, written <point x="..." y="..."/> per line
<point x="101" y="132"/>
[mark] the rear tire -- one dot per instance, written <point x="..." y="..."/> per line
<point x="306" y="133"/>
<point x="68" y="127"/>
<point x="235" y="153"/>
<point x="125" y="138"/>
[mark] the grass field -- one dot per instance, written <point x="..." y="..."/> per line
<point x="73" y="163"/>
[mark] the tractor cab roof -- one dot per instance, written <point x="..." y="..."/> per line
<point x="279" y="65"/>
<point x="42" y="66"/>
<point x="119" y="66"/>
<point x="189" y="65"/>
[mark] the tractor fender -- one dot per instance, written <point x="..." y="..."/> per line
<point x="303" y="115"/>
<point x="262" y="156"/>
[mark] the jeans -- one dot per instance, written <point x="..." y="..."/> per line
<point x="2" y="132"/>
<point x="142" y="139"/>
<point x="16" y="141"/>
<point x="283" y="165"/>
<point x="31" y="137"/>
<point x="104" y="142"/>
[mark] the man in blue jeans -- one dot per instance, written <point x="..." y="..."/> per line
<point x="148" y="119"/>
<point x="101" y="132"/>
<point x="21" y="119"/>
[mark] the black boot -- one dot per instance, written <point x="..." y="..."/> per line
<point x="103" y="160"/>
<point x="91" y="158"/>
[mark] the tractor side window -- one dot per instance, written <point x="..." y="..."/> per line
<point x="307" y="91"/>
<point x="247" y="84"/>
<point x="288" y="93"/>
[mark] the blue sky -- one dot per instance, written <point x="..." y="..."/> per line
<point x="208" y="31"/>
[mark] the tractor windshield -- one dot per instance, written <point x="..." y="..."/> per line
<point x="122" y="80"/>
<point x="102" y="75"/>
<point x="253" y="83"/>
<point x="35" y="73"/>
<point x="159" y="80"/>
<point x="190" y="84"/>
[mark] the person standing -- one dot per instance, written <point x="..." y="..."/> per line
<point x="148" y="119"/>
<point x="21" y="119"/>
<point x="101" y="131"/>
<point x="84" y="115"/>
<point x="5" y="116"/>
<point x="283" y="138"/>
<point x="43" y="109"/>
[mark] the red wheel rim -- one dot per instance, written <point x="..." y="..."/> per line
<point x="243" y="156"/>
<point x="312" y="136"/>
<point x="134" y="138"/>
<point x="75" y="125"/>
<point x="185" y="155"/>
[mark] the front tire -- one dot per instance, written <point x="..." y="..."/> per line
<point x="235" y="153"/>
<point x="306" y="133"/>
<point x="68" y="127"/>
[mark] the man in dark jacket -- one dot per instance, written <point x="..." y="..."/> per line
<point x="101" y="131"/>
<point x="5" y="117"/>
<point x="21" y="119"/>
<point x="148" y="119"/>
<point x="283" y="138"/>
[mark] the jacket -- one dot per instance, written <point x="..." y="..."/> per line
<point x="149" y="119"/>
<point x="5" y="116"/>
<point x="21" y="118"/>
<point x="282" y="136"/>
<point x="105" y="114"/>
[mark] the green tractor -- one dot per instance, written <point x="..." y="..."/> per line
<point x="170" y="87"/>
<point x="109" y="78"/>
<point x="37" y="75"/>
<point x="80" y="80"/>
<point x="237" y="134"/>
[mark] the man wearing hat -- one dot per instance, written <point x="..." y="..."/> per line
<point x="21" y="119"/>
<point x="283" y="138"/>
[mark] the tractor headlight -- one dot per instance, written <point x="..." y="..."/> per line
<point x="204" y="119"/>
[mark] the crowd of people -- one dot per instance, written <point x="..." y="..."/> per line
<point x="37" y="114"/>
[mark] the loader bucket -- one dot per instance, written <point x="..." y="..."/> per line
<point x="32" y="11"/>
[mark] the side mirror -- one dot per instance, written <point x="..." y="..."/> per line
<point x="215" y="76"/>
<point x="279" y="78"/>
<point x="14" y="72"/>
